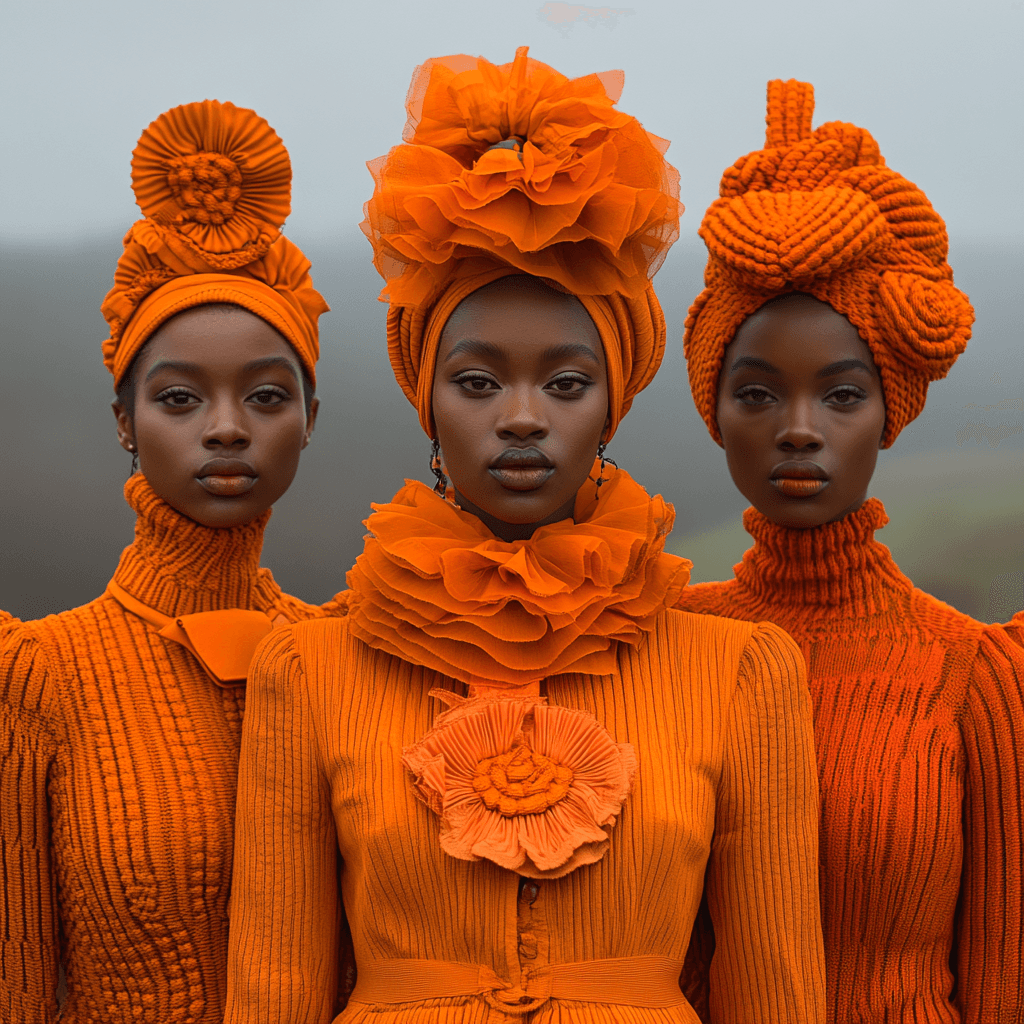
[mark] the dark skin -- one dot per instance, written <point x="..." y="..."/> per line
<point x="219" y="419"/>
<point x="520" y="403"/>
<point x="801" y="412"/>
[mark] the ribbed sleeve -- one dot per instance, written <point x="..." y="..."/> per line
<point x="768" y="964"/>
<point x="989" y="939"/>
<point x="283" y="956"/>
<point x="28" y="910"/>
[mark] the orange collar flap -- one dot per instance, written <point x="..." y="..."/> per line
<point x="224" y="641"/>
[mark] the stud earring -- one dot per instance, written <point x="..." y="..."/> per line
<point x="441" y="487"/>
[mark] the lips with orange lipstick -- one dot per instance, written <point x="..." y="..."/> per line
<point x="799" y="479"/>
<point x="521" y="469"/>
<point x="227" y="478"/>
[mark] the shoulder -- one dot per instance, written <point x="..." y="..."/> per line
<point x="281" y="606"/>
<point x="718" y="598"/>
<point x="942" y="621"/>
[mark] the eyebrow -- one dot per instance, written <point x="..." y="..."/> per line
<point x="478" y="347"/>
<point x="828" y="371"/>
<point x="257" y="364"/>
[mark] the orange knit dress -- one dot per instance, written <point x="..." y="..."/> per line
<point x="919" y="730"/>
<point x="712" y="716"/>
<point x="119" y="759"/>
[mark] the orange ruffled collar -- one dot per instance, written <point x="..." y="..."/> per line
<point x="436" y="588"/>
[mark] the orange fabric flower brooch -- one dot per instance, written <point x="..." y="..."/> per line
<point x="521" y="166"/>
<point x="436" y="588"/>
<point x="520" y="783"/>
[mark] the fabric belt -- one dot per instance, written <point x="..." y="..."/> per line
<point x="650" y="982"/>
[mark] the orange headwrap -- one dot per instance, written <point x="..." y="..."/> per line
<point x="819" y="212"/>
<point x="214" y="183"/>
<point x="519" y="170"/>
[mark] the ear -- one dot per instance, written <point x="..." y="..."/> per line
<point x="314" y="408"/>
<point x="125" y="427"/>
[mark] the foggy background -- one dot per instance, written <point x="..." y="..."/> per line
<point x="937" y="83"/>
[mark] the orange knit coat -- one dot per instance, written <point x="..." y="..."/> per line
<point x="117" y="791"/>
<point x="919" y="730"/>
<point x="718" y="714"/>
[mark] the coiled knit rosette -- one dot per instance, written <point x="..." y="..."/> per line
<point x="214" y="182"/>
<point x="434" y="587"/>
<point x="520" y="783"/>
<point x="520" y="166"/>
<point x="819" y="212"/>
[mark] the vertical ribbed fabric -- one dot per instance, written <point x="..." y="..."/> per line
<point x="919" y="732"/>
<point x="719" y="716"/>
<point x="118" y="758"/>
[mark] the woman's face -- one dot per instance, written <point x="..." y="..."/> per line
<point x="801" y="412"/>
<point x="520" y="403"/>
<point x="219" y="417"/>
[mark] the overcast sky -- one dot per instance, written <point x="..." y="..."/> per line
<point x="938" y="82"/>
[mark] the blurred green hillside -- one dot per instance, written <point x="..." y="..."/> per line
<point x="956" y="529"/>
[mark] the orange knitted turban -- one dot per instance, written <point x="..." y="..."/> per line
<point x="519" y="170"/>
<point x="214" y="184"/>
<point x="819" y="212"/>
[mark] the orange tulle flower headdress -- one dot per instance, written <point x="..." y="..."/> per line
<point x="516" y="169"/>
<point x="213" y="182"/>
<point x="819" y="212"/>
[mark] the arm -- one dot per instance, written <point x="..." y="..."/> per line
<point x="989" y="940"/>
<point x="283" y="951"/>
<point x="762" y="881"/>
<point x="29" y="950"/>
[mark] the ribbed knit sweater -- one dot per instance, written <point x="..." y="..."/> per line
<point x="919" y="732"/>
<point x="718" y="714"/>
<point x="117" y="793"/>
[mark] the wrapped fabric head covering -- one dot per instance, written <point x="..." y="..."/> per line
<point x="519" y="170"/>
<point x="213" y="182"/>
<point x="819" y="212"/>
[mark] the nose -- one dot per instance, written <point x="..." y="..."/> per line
<point x="799" y="431"/>
<point x="226" y="427"/>
<point x="522" y="415"/>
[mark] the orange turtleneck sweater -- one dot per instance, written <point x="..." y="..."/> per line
<point x="119" y="757"/>
<point x="919" y="730"/>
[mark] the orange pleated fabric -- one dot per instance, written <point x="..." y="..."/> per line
<point x="919" y="731"/>
<point x="434" y="586"/>
<point x="724" y="796"/>
<point x="516" y="169"/>
<point x="119" y="758"/>
<point x="819" y="212"/>
<point x="214" y="183"/>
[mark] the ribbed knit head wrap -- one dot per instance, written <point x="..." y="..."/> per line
<point x="214" y="184"/>
<point x="519" y="170"/>
<point x="819" y="212"/>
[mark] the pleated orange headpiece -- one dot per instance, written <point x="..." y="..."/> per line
<point x="213" y="182"/>
<point x="519" y="170"/>
<point x="819" y="212"/>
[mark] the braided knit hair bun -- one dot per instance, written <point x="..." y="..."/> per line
<point x="819" y="212"/>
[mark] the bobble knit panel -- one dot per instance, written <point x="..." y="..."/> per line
<point x="919" y="731"/>
<point x="118" y="787"/>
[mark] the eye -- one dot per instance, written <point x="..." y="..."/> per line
<point x="569" y="385"/>
<point x="269" y="395"/>
<point x="754" y="394"/>
<point x="846" y="395"/>
<point x="177" y="398"/>
<point x="477" y="383"/>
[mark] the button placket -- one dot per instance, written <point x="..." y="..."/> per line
<point x="532" y="925"/>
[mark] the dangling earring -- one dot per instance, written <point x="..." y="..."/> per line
<point x="135" y="460"/>
<point x="601" y="448"/>
<point x="441" y="487"/>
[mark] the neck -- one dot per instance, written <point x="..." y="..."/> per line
<point x="179" y="566"/>
<point x="837" y="565"/>
<point x="510" y="532"/>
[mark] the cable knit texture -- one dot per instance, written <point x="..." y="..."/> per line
<point x="919" y="730"/>
<point x="117" y="794"/>
<point x="819" y="212"/>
